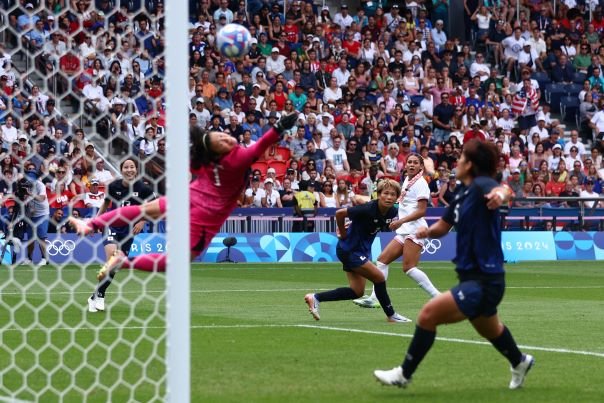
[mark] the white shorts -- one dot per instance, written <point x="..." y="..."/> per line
<point x="401" y="238"/>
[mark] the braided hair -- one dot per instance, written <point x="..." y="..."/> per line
<point x="199" y="146"/>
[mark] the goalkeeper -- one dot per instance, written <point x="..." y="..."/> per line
<point x="220" y="166"/>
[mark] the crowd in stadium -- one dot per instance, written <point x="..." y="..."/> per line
<point x="371" y="84"/>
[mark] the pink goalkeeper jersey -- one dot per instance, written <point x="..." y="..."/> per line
<point x="215" y="191"/>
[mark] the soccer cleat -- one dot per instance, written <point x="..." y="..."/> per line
<point x="392" y="377"/>
<point x="26" y="262"/>
<point x="366" y="302"/>
<point x="99" y="303"/>
<point x="81" y="227"/>
<point x="92" y="305"/>
<point x="398" y="318"/>
<point x="313" y="305"/>
<point x="113" y="264"/>
<point x="42" y="262"/>
<point x="519" y="373"/>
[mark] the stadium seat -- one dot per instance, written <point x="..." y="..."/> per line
<point x="262" y="166"/>
<point x="417" y="98"/>
<point x="569" y="108"/>
<point x="579" y="77"/>
<point x="573" y="89"/>
<point x="543" y="80"/>
<point x="284" y="152"/>
<point x="280" y="168"/>
<point x="553" y="93"/>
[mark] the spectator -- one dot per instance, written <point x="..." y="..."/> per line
<point x="56" y="223"/>
<point x="336" y="155"/>
<point x="271" y="196"/>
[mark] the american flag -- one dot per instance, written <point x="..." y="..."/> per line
<point x="520" y="100"/>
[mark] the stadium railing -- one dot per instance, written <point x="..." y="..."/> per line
<point x="265" y="220"/>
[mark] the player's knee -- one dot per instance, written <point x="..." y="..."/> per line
<point x="427" y="317"/>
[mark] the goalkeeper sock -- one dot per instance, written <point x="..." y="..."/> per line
<point x="120" y="217"/>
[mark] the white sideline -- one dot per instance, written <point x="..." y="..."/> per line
<point x="332" y="328"/>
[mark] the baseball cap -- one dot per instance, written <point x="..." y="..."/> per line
<point x="556" y="146"/>
<point x="200" y="99"/>
<point x="344" y="6"/>
<point x="535" y="169"/>
<point x="556" y="172"/>
<point x="589" y="181"/>
<point x="268" y="180"/>
<point x="29" y="5"/>
<point x="94" y="182"/>
<point x="275" y="49"/>
<point x="240" y="88"/>
<point x="253" y="40"/>
<point x="256" y="179"/>
<point x="516" y="171"/>
<point x="272" y="115"/>
<point x="312" y="183"/>
<point x="256" y="86"/>
<point x="413" y="105"/>
<point x="271" y="171"/>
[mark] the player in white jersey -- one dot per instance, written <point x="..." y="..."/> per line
<point x="411" y="211"/>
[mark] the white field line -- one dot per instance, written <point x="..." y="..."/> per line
<point x="318" y="327"/>
<point x="159" y="291"/>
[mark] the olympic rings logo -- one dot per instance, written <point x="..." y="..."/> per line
<point x="59" y="247"/>
<point x="431" y="246"/>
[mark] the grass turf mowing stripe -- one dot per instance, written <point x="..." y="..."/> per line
<point x="339" y="329"/>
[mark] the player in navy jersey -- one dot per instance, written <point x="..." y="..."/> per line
<point x="354" y="250"/>
<point x="479" y="264"/>
<point x="126" y="191"/>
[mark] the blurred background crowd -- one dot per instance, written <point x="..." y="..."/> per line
<point x="81" y="89"/>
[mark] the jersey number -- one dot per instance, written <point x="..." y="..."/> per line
<point x="217" y="175"/>
<point x="456" y="213"/>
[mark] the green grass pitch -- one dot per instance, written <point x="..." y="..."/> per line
<point x="253" y="339"/>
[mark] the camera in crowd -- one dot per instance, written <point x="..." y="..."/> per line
<point x="24" y="189"/>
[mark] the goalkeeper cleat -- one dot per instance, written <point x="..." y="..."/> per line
<point x="92" y="304"/>
<point x="366" y="302"/>
<point x="313" y="305"/>
<point x="398" y="318"/>
<point x="113" y="264"/>
<point x="392" y="377"/>
<point x="81" y="227"/>
<point x="520" y="371"/>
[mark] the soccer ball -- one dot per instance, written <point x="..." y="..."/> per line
<point x="233" y="40"/>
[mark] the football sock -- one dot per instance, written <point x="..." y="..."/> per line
<point x="149" y="262"/>
<point x="103" y="285"/>
<point x="424" y="282"/>
<point x="120" y="217"/>
<point x="384" y="269"/>
<point x="338" y="294"/>
<point x="419" y="347"/>
<point x="507" y="346"/>
<point x="384" y="298"/>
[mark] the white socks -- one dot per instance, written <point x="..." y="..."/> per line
<point x="424" y="282"/>
<point x="384" y="269"/>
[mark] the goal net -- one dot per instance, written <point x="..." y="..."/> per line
<point x="83" y="121"/>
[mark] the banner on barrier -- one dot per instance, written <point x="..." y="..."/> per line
<point x="320" y="247"/>
<point x="289" y="247"/>
<point x="533" y="245"/>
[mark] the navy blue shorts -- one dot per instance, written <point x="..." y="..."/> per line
<point x="123" y="239"/>
<point x="351" y="260"/>
<point x="479" y="297"/>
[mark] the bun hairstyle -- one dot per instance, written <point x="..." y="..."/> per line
<point x="199" y="146"/>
